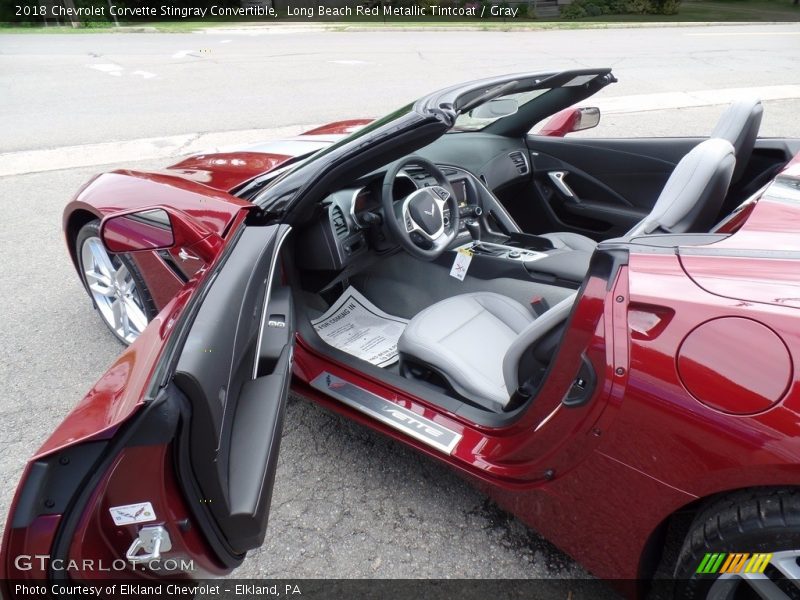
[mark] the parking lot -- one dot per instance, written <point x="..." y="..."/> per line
<point x="347" y="502"/>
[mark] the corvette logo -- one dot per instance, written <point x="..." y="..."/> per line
<point x="408" y="420"/>
<point x="141" y="512"/>
<point x="735" y="562"/>
<point x="430" y="214"/>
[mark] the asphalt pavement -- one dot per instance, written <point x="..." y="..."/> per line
<point x="61" y="90"/>
<point x="347" y="502"/>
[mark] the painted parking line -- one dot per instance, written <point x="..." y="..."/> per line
<point x="116" y="70"/>
<point x="349" y="62"/>
<point x="108" y="68"/>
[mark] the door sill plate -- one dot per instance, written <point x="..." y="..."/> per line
<point x="400" y="418"/>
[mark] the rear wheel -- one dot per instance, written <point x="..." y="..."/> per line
<point x="745" y="545"/>
<point x="114" y="284"/>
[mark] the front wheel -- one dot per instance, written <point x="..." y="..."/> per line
<point x="114" y="284"/>
<point x="746" y="545"/>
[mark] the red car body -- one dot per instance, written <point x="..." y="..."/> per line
<point x="665" y="383"/>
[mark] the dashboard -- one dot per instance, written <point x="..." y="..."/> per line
<point x="367" y="199"/>
<point x="352" y="221"/>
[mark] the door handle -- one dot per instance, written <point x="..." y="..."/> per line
<point x="557" y="177"/>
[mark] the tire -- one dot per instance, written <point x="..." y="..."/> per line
<point x="113" y="276"/>
<point x="750" y="521"/>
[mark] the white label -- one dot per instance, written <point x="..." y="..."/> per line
<point x="132" y="513"/>
<point x="356" y="326"/>
<point x="461" y="264"/>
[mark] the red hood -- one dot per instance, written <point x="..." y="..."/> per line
<point x="225" y="171"/>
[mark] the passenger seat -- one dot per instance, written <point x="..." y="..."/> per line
<point x="739" y="126"/>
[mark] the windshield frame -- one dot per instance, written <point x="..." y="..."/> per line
<point x="440" y="111"/>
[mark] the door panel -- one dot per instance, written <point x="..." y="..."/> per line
<point x="597" y="187"/>
<point x="255" y="442"/>
<point x="185" y="479"/>
<point x="221" y="376"/>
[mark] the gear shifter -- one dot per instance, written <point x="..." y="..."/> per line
<point x="474" y="228"/>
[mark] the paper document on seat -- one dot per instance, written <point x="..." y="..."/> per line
<point x="356" y="326"/>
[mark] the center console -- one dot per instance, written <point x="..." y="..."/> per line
<point x="529" y="255"/>
<point x="503" y="251"/>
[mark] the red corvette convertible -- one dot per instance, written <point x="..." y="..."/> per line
<point x="601" y="334"/>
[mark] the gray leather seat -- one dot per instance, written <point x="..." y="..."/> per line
<point x="739" y="125"/>
<point x="476" y="341"/>
<point x="693" y="195"/>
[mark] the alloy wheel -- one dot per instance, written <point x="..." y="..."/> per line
<point x="113" y="289"/>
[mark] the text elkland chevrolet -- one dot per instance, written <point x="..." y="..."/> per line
<point x="436" y="275"/>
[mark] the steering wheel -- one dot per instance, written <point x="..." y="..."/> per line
<point x="417" y="221"/>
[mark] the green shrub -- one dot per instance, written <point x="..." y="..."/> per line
<point x="574" y="10"/>
<point x="665" y="7"/>
<point x="593" y="10"/>
<point x="579" y="9"/>
<point x="637" y="7"/>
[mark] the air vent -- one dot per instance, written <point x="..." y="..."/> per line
<point x="518" y="158"/>
<point x="338" y="221"/>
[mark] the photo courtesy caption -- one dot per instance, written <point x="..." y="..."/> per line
<point x="125" y="589"/>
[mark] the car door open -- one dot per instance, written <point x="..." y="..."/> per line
<point x="166" y="468"/>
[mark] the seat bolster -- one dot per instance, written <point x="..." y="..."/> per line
<point x="438" y="321"/>
<point x="739" y="124"/>
<point x="694" y="191"/>
<point x="509" y="311"/>
<point x="567" y="239"/>
<point x="532" y="334"/>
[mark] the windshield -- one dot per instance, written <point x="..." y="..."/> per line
<point x="279" y="192"/>
<point x="258" y="187"/>
<point x="470" y="122"/>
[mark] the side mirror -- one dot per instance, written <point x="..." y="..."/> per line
<point x="570" y="120"/>
<point x="138" y="231"/>
<point x="495" y="109"/>
<point x="159" y="228"/>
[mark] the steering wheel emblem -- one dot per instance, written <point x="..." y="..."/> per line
<point x="429" y="212"/>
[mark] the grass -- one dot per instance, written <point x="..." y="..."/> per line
<point x="690" y="11"/>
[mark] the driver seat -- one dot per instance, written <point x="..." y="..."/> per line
<point x="476" y="341"/>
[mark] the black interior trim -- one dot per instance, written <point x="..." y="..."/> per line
<point x="216" y="373"/>
<point x="52" y="482"/>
